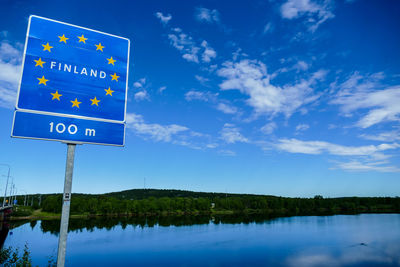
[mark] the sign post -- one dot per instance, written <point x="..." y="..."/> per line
<point x="69" y="169"/>
<point x="73" y="89"/>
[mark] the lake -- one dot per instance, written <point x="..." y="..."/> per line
<point x="339" y="240"/>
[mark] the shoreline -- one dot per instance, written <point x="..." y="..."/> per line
<point x="47" y="216"/>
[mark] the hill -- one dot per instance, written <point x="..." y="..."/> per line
<point x="158" y="193"/>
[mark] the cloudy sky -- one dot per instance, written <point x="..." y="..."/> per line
<point x="291" y="98"/>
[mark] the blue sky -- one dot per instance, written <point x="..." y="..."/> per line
<point x="291" y="98"/>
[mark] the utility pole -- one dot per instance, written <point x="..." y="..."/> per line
<point x="24" y="196"/>
<point x="15" y="194"/>
<point x="11" y="192"/>
<point x="8" y="177"/>
<point x="11" y="186"/>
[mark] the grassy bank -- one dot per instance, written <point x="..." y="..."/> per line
<point x="27" y="213"/>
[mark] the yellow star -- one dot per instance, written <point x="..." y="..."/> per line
<point x="95" y="101"/>
<point x="39" y="62"/>
<point x="56" y="95"/>
<point x="75" y="103"/>
<point x="99" y="47"/>
<point x="63" y="38"/>
<point x="109" y="91"/>
<point x="42" y="80"/>
<point x="47" y="47"/>
<point x="114" y="77"/>
<point x="82" y="39"/>
<point x="111" y="60"/>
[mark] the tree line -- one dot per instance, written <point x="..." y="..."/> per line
<point x="214" y="203"/>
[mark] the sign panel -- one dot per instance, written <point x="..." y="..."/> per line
<point x="74" y="76"/>
<point x="67" y="129"/>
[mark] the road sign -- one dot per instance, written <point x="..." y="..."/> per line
<point x="73" y="86"/>
<point x="58" y="128"/>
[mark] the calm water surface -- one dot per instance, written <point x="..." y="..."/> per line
<point x="341" y="240"/>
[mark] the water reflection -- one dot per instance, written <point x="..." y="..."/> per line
<point x="343" y="240"/>
<point x="361" y="254"/>
<point x="108" y="223"/>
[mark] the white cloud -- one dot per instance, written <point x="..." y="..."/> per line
<point x="302" y="127"/>
<point x="227" y="152"/>
<point x="316" y="12"/>
<point x="198" y="95"/>
<point x="359" y="167"/>
<point x="137" y="84"/>
<point x="207" y="15"/>
<point x="390" y="136"/>
<point x="227" y="109"/>
<point x="268" y="28"/>
<point x="190" y="49"/>
<point x="211" y="98"/>
<point x="250" y="77"/>
<point x="163" y="19"/>
<point x="365" y="93"/>
<point x="369" y="157"/>
<point x="185" y="44"/>
<point x="212" y="145"/>
<point x="155" y="131"/>
<point x="301" y="65"/>
<point x="191" y="57"/>
<point x="208" y="53"/>
<point x="10" y="73"/>
<point x="231" y="134"/>
<point x="269" y="128"/>
<point x="202" y="79"/>
<point x="142" y="95"/>
<point x="318" y="147"/>
<point x="332" y="126"/>
<point x="172" y="133"/>
<point x="161" y="89"/>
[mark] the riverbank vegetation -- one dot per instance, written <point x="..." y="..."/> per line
<point x="167" y="202"/>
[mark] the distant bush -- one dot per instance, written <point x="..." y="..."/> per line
<point x="22" y="211"/>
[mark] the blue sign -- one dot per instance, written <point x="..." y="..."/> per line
<point x="73" y="76"/>
<point x="49" y="127"/>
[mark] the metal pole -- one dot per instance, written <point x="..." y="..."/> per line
<point x="62" y="240"/>
<point x="8" y="177"/>
<point x="10" y="196"/>
<point x="13" y="194"/>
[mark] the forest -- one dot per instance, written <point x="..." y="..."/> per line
<point x="164" y="202"/>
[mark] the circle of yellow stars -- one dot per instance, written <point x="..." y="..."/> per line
<point x="56" y="95"/>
